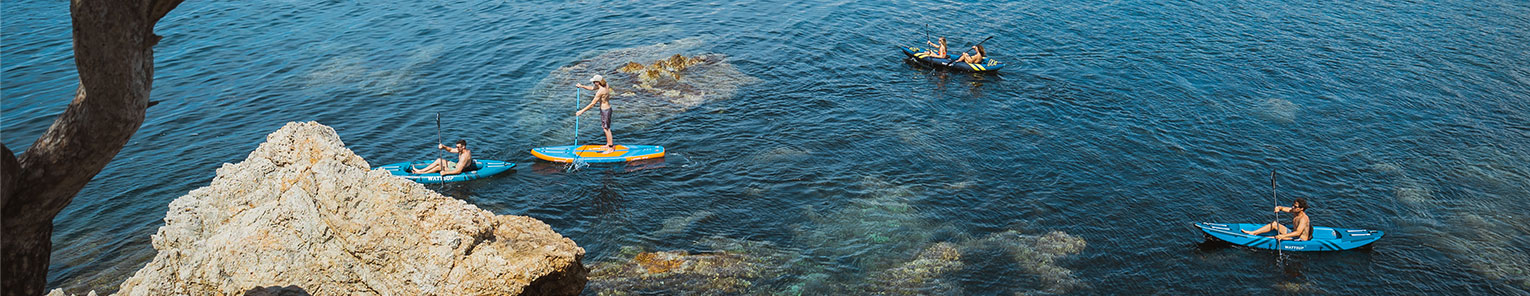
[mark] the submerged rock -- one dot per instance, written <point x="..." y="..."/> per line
<point x="1279" y="110"/>
<point x="883" y="219"/>
<point x="1038" y="256"/>
<point x="1298" y="288"/>
<point x="733" y="267"/>
<point x="649" y="83"/>
<point x="679" y="224"/>
<point x="925" y="275"/>
<point x="304" y="213"/>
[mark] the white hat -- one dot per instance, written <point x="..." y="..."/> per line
<point x="597" y="77"/>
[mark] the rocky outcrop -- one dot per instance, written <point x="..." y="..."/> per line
<point x="306" y="214"/>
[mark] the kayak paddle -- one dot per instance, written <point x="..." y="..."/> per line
<point x="969" y="48"/>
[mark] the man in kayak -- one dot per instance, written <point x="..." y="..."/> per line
<point x="464" y="157"/>
<point x="602" y="96"/>
<point x="1303" y="225"/>
<point x="939" y="51"/>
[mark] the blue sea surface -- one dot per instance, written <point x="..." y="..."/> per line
<point x="1119" y="123"/>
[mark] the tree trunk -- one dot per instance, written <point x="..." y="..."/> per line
<point x="114" y="53"/>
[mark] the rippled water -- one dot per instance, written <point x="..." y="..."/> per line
<point x="1117" y="122"/>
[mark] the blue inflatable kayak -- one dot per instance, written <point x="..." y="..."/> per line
<point x="595" y="154"/>
<point x="988" y="65"/>
<point x="485" y="168"/>
<point x="1323" y="238"/>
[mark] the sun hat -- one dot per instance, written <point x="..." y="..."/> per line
<point x="597" y="77"/>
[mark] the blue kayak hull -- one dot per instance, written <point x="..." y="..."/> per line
<point x="988" y="65"/>
<point x="485" y="168"/>
<point x="595" y="153"/>
<point x="1323" y="238"/>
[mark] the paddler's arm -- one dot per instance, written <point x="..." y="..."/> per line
<point x="593" y="100"/>
<point x="591" y="87"/>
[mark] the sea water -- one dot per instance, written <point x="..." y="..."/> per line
<point x="812" y="159"/>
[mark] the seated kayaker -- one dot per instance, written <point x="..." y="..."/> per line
<point x="939" y="51"/>
<point x="975" y="59"/>
<point x="465" y="157"/>
<point x="1303" y="226"/>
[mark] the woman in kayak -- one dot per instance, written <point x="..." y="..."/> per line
<point x="1303" y="225"/>
<point x="939" y="51"/>
<point x="450" y="168"/>
<point x="602" y="96"/>
<point x="976" y="59"/>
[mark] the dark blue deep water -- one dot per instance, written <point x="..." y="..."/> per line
<point x="1116" y="122"/>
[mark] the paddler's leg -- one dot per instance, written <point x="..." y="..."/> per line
<point x="435" y="166"/>
<point x="605" y="125"/>
<point x="1266" y="228"/>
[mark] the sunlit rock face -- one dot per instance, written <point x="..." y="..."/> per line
<point x="304" y="213"/>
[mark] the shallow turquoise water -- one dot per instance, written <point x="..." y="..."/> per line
<point x="1117" y="122"/>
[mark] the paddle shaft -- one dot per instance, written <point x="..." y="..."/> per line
<point x="439" y="154"/>
<point x="576" y="117"/>
<point x="1276" y="200"/>
<point x="969" y="48"/>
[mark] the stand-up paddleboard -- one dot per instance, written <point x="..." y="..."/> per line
<point x="1323" y="238"/>
<point x="485" y="168"/>
<point x="597" y="154"/>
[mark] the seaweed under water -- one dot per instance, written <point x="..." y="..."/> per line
<point x="896" y="251"/>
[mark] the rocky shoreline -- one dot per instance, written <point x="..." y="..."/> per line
<point x="304" y="215"/>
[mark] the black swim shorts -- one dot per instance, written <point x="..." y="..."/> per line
<point x="605" y="119"/>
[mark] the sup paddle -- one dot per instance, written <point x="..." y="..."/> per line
<point x="574" y="165"/>
<point x="969" y="48"/>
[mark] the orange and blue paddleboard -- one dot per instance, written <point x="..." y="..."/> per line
<point x="597" y="153"/>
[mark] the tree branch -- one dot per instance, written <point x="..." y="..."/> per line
<point x="113" y="50"/>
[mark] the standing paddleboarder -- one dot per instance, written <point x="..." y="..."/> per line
<point x="602" y="96"/>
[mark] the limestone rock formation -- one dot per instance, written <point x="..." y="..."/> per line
<point x="305" y="213"/>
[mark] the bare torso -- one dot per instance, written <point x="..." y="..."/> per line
<point x="603" y="94"/>
<point x="1303" y="225"/>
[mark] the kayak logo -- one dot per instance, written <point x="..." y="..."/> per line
<point x="1291" y="247"/>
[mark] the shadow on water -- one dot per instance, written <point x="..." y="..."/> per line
<point x="558" y="168"/>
